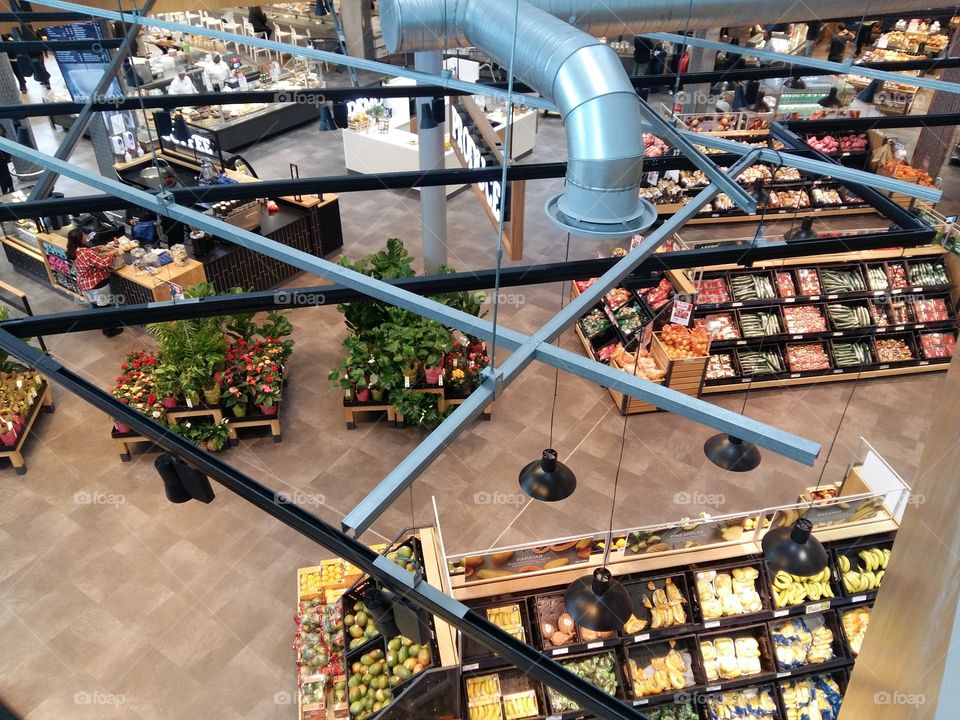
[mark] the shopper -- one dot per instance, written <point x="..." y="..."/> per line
<point x="733" y="60"/>
<point x="181" y="84"/>
<point x="766" y="44"/>
<point x="642" y="50"/>
<point x="838" y="43"/>
<point x="260" y="22"/>
<point x="814" y="28"/>
<point x="657" y="63"/>
<point x="15" y="66"/>
<point x="864" y="36"/>
<point x="216" y="74"/>
<point x="830" y="100"/>
<point x="6" y="179"/>
<point x="93" y="266"/>
<point x="145" y="226"/>
<point x="37" y="67"/>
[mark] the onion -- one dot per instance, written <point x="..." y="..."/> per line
<point x="565" y="624"/>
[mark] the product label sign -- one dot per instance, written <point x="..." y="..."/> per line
<point x="681" y="312"/>
<point x="689" y="535"/>
<point x="521" y="560"/>
<point x="475" y="160"/>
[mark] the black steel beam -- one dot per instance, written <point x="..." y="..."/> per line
<point x="36" y="46"/>
<point x="529" y="660"/>
<point x="42" y="17"/>
<point x="326" y="295"/>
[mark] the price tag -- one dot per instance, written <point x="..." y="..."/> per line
<point x="736" y="304"/>
<point x="877" y="293"/>
<point x="712" y="688"/>
<point x="858" y="598"/>
<point x="920" y="326"/>
<point x="814" y="297"/>
<point x="641" y="638"/>
<point x="594" y="645"/>
<point x="924" y="362"/>
<point x="681" y="312"/>
<point x="838" y="372"/>
<point x="714" y="214"/>
<point x="783" y="675"/>
<point x="189" y="404"/>
<point x="440" y="381"/>
<point x="712" y="624"/>
<point x="818" y="607"/>
<point x="831" y="297"/>
<point x="406" y="381"/>
<point x="794" y="375"/>
<point x="898" y="327"/>
<point x="644" y="701"/>
<point x="471" y="666"/>
<point x="553" y="717"/>
<point x="790" y="300"/>
<point x="780" y="613"/>
<point x="838" y="334"/>
<point x="560" y="651"/>
<point x="746" y="379"/>
<point x="918" y="289"/>
<point x="816" y="210"/>
<point x="741" y="342"/>
<point x="884" y="367"/>
<point x="897" y="291"/>
<point x="798" y="337"/>
<point x="653" y="177"/>
<point x="881" y="330"/>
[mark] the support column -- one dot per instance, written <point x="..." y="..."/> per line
<point x="357" y="28"/>
<point x="697" y="97"/>
<point x="433" y="200"/>
<point x="935" y="144"/>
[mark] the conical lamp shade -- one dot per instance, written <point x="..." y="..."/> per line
<point x="731" y="453"/>
<point x="548" y="479"/>
<point x="794" y="549"/>
<point x="598" y="602"/>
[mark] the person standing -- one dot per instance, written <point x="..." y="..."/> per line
<point x="15" y="66"/>
<point x="642" y="50"/>
<point x="766" y="44"/>
<point x="838" y="43"/>
<point x="37" y="67"/>
<point x="814" y="27"/>
<point x="657" y="62"/>
<point x="216" y="74"/>
<point x="93" y="266"/>
<point x="6" y="179"/>
<point x="181" y="84"/>
<point x="260" y="22"/>
<point x="830" y="100"/>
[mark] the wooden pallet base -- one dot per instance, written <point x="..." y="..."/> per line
<point x="15" y="454"/>
<point x="350" y="413"/>
<point x="267" y="421"/>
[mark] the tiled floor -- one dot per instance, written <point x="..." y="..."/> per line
<point x="116" y="604"/>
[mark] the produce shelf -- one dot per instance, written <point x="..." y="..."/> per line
<point x="834" y="375"/>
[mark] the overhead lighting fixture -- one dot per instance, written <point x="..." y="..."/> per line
<point x="182" y="482"/>
<point x="598" y="602"/>
<point x="731" y="453"/>
<point x="794" y="549"/>
<point x="327" y="122"/>
<point x="548" y="479"/>
<point x="427" y="119"/>
<point x="393" y="616"/>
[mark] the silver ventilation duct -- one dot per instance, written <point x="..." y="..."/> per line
<point x="581" y="75"/>
<point x="585" y="78"/>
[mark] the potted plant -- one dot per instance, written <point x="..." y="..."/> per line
<point x="351" y="374"/>
<point x="268" y="398"/>
<point x="166" y="383"/>
<point x="459" y="381"/>
<point x="418" y="408"/>
<point x="213" y="436"/>
<point x="236" y="400"/>
<point x="8" y="436"/>
<point x="434" y="344"/>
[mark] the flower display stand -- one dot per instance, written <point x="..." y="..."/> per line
<point x="214" y="412"/>
<point x="256" y="419"/>
<point x="43" y="402"/>
<point x="352" y="407"/>
<point x="458" y="400"/>
<point x="123" y="441"/>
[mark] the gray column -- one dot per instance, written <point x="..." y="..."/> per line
<point x="433" y="200"/>
<point x="697" y="97"/>
<point x="935" y="144"/>
<point x="10" y="95"/>
<point x="357" y="28"/>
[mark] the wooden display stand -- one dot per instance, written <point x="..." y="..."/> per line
<point x="684" y="375"/>
<point x="44" y="401"/>
<point x="123" y="441"/>
<point x="260" y="420"/>
<point x="351" y="408"/>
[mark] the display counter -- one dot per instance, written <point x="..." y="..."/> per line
<point x="254" y="122"/>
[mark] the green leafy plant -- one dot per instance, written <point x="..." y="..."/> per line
<point x="166" y="380"/>
<point x="419" y="408"/>
<point x="466" y="301"/>
<point x="354" y="369"/>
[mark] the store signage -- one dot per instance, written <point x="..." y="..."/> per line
<point x="469" y="147"/>
<point x="681" y="312"/>
<point x="473" y="158"/>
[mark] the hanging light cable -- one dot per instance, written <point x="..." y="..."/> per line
<point x="598" y="602"/>
<point x="548" y="479"/>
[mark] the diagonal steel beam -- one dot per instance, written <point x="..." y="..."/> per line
<point x="776" y="440"/>
<point x="48" y="179"/>
<point x="843" y="68"/>
<point x="818" y="167"/>
<point x="335" y="58"/>
<point x="537" y="347"/>
<point x="422" y="594"/>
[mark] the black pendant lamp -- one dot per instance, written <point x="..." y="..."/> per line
<point x="794" y="549"/>
<point x="548" y="479"/>
<point x="598" y="602"/>
<point x="732" y="453"/>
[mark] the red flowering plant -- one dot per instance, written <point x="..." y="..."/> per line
<point x="134" y="386"/>
<point x="477" y="360"/>
<point x="254" y="372"/>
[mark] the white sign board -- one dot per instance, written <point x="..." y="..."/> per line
<point x="471" y="152"/>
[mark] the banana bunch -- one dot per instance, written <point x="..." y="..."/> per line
<point x="816" y="698"/>
<point x="506" y="616"/>
<point x="747" y="703"/>
<point x="793" y="589"/>
<point x="487" y="711"/>
<point x="666" y="608"/>
<point x="870" y="570"/>
<point x="487" y="686"/>
<point x="664" y="674"/>
<point x="855" y="626"/>
<point x="520" y="705"/>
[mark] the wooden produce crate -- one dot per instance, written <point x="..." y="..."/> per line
<point x="684" y="375"/>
